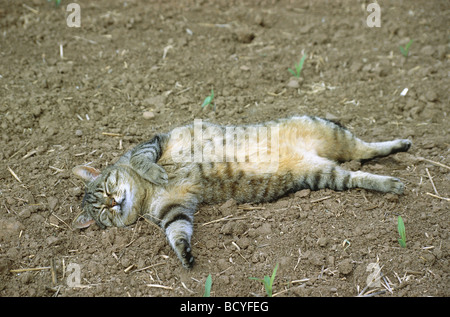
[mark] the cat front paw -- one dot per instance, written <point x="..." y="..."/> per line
<point x="153" y="173"/>
<point x="157" y="174"/>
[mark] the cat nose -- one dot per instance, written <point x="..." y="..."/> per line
<point x="111" y="202"/>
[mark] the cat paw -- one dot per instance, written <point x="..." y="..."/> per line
<point x="155" y="174"/>
<point x="158" y="174"/>
<point x="183" y="250"/>
<point x="394" y="185"/>
<point x="402" y="145"/>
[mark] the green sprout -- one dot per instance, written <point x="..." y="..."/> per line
<point x="208" y="284"/>
<point x="57" y="2"/>
<point x="267" y="281"/>
<point x="208" y="100"/>
<point x="402" y="232"/>
<point x="298" y="67"/>
<point x="405" y="50"/>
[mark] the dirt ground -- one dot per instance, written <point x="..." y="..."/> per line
<point x="71" y="96"/>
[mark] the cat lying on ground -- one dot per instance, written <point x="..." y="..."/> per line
<point x="166" y="178"/>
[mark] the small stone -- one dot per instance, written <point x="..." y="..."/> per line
<point x="53" y="220"/>
<point x="222" y="264"/>
<point x="78" y="133"/>
<point x="244" y="35"/>
<point x="431" y="96"/>
<point x="345" y="267"/>
<point x="25" y="213"/>
<point x="244" y="242"/>
<point x="259" y="20"/>
<point x="26" y="277"/>
<point x="331" y="117"/>
<point x="303" y="193"/>
<point x="227" y="229"/>
<point x="265" y="229"/>
<point x="429" y="257"/>
<point x="330" y="260"/>
<point x="9" y="228"/>
<point x="323" y="241"/>
<point x="52" y="240"/>
<point x="306" y="28"/>
<point x="316" y="259"/>
<point x="75" y="191"/>
<point x="52" y="202"/>
<point x="356" y="67"/>
<point x="148" y="115"/>
<point x="427" y="50"/>
<point x="228" y="207"/>
<point x="293" y="83"/>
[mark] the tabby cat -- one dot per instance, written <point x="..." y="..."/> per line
<point x="166" y="178"/>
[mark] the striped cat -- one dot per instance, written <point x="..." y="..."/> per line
<point x="166" y="178"/>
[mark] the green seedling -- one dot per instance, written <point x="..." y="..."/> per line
<point x="57" y="2"/>
<point x="267" y="281"/>
<point x="405" y="50"/>
<point x="208" y="284"/>
<point x="402" y="232"/>
<point x="208" y="100"/>
<point x="298" y="67"/>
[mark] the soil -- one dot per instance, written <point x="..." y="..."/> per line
<point x="71" y="96"/>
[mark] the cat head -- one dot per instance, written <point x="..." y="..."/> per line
<point x="112" y="197"/>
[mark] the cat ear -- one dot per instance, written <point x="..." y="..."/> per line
<point x="86" y="173"/>
<point x="83" y="220"/>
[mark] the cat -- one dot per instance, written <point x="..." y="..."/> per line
<point x="166" y="178"/>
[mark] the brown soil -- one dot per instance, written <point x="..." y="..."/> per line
<point x="130" y="57"/>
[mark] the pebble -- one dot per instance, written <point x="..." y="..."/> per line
<point x="345" y="267"/>
<point x="431" y="96"/>
<point x="306" y="28"/>
<point x="427" y="50"/>
<point x="9" y="228"/>
<point x="323" y="241"/>
<point x="265" y="229"/>
<point x="52" y="240"/>
<point x="52" y="202"/>
<point x="25" y="213"/>
<point x="53" y="220"/>
<point x="316" y="259"/>
<point x="228" y="207"/>
<point x="302" y="193"/>
<point x="78" y="133"/>
<point x="244" y="35"/>
<point x="293" y="83"/>
<point x="148" y="115"/>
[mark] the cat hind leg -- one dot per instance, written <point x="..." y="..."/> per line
<point x="370" y="150"/>
<point x="327" y="174"/>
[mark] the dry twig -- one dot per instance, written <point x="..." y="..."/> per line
<point x="30" y="269"/>
<point x="14" y="174"/>
<point x="432" y="183"/>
